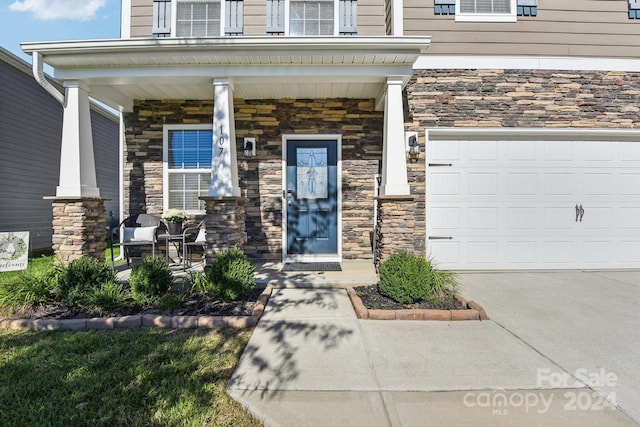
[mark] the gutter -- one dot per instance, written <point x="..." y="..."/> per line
<point x="38" y="73"/>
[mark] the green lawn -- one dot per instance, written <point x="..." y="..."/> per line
<point x="120" y="378"/>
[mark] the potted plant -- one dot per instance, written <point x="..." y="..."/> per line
<point x="174" y="219"/>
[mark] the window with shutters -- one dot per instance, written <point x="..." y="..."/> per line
<point x="199" y="18"/>
<point x="187" y="166"/>
<point x="486" y="10"/>
<point x="312" y="17"/>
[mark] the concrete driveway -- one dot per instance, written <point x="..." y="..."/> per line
<point x="557" y="350"/>
<point x="585" y="322"/>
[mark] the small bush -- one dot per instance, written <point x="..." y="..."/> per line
<point x="232" y="275"/>
<point x="405" y="277"/>
<point x="109" y="297"/>
<point x="150" y="280"/>
<point x="75" y="281"/>
<point x="30" y="287"/>
<point x="198" y="282"/>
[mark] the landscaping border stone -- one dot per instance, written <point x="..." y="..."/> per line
<point x="147" y="320"/>
<point x="473" y="311"/>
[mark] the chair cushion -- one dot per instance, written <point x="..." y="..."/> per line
<point x="139" y="234"/>
<point x="202" y="236"/>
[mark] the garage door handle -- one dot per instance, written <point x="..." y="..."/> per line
<point x="440" y="238"/>
<point x="440" y="164"/>
<point x="579" y="213"/>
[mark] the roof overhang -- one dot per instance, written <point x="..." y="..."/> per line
<point x="120" y="71"/>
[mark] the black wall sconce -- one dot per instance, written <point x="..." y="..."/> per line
<point x="414" y="148"/>
<point x="249" y="147"/>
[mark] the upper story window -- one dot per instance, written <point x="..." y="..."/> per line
<point x="312" y="17"/>
<point x="197" y="18"/>
<point x="486" y="10"/>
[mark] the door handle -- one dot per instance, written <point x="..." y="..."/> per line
<point x="579" y="213"/>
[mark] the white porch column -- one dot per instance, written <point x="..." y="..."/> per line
<point x="394" y="158"/>
<point x="77" y="163"/>
<point x="224" y="173"/>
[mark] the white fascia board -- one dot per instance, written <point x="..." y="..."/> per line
<point x="454" y="62"/>
<point x="235" y="44"/>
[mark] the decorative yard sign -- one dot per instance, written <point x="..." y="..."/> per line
<point x="14" y="250"/>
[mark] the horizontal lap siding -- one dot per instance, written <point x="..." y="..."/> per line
<point x="562" y="28"/>
<point x="141" y="18"/>
<point x="371" y="18"/>
<point x="30" y="132"/>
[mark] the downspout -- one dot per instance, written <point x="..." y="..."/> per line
<point x="38" y="74"/>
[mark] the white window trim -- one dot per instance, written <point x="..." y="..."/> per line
<point x="165" y="161"/>
<point x="487" y="17"/>
<point x="174" y="14"/>
<point x="336" y="18"/>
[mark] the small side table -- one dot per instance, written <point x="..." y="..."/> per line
<point x="168" y="238"/>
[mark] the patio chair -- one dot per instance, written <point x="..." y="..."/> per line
<point x="193" y="237"/>
<point x="137" y="231"/>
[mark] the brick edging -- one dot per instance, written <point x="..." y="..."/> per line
<point x="146" y="320"/>
<point x="473" y="311"/>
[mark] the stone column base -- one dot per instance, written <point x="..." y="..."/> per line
<point x="395" y="226"/>
<point x="225" y="221"/>
<point x="79" y="228"/>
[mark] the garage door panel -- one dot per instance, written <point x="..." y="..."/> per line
<point x="629" y="218"/>
<point x="521" y="252"/>
<point x="511" y="204"/>
<point x="482" y="184"/>
<point x="629" y="152"/>
<point x="629" y="184"/>
<point x="558" y="151"/>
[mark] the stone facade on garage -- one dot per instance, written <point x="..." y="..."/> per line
<point x="523" y="98"/>
<point x="260" y="177"/>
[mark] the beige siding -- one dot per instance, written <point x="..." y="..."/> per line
<point x="562" y="28"/>
<point x="371" y="18"/>
<point x="255" y="17"/>
<point x="141" y="18"/>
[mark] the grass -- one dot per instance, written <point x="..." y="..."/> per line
<point x="124" y="377"/>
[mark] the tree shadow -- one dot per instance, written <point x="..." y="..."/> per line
<point x="273" y="360"/>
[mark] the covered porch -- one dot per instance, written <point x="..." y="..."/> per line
<point x="235" y="87"/>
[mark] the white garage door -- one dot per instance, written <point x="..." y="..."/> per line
<point x="522" y="204"/>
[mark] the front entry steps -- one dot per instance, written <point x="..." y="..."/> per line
<point x="352" y="273"/>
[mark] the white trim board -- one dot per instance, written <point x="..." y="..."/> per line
<point x="453" y="62"/>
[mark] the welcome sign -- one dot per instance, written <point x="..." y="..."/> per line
<point x="14" y="250"/>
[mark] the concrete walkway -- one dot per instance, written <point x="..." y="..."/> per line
<point x="311" y="362"/>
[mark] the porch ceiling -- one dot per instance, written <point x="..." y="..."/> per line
<point x="119" y="71"/>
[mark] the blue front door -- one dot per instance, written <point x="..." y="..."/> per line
<point x="312" y="197"/>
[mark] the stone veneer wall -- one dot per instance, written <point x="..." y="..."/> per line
<point x="261" y="177"/>
<point x="79" y="228"/>
<point x="523" y="98"/>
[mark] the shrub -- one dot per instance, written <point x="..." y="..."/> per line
<point x="75" y="281"/>
<point x="232" y="275"/>
<point x="405" y="277"/>
<point x="30" y="287"/>
<point x="150" y="280"/>
<point x="198" y="282"/>
<point x="109" y="297"/>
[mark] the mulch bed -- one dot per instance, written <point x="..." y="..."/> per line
<point x="194" y="305"/>
<point x="373" y="300"/>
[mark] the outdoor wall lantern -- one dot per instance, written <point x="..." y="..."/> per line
<point x="414" y="148"/>
<point x="249" y="147"/>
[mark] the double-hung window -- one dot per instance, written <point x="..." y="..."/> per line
<point x="187" y="166"/>
<point x="486" y="10"/>
<point x="207" y="18"/>
<point x="312" y="17"/>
